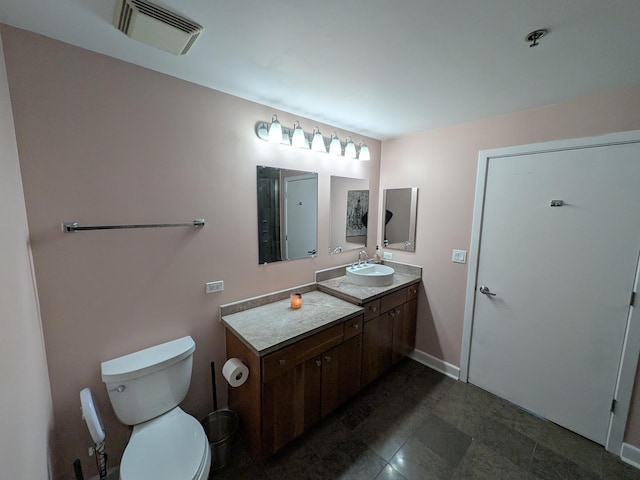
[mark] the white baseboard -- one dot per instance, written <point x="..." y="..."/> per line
<point x="441" y="366"/>
<point x="630" y="454"/>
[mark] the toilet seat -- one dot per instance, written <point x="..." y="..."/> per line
<point x="169" y="447"/>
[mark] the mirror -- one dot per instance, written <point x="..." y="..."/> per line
<point x="400" y="213"/>
<point x="287" y="214"/>
<point x="349" y="214"/>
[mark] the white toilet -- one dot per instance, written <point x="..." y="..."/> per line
<point x="145" y="389"/>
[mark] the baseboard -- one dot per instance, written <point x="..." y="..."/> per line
<point x="630" y="454"/>
<point x="441" y="366"/>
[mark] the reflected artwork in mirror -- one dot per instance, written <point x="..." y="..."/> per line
<point x="349" y="214"/>
<point x="400" y="215"/>
<point x="287" y="214"/>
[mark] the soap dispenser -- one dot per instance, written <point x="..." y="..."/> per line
<point x="376" y="256"/>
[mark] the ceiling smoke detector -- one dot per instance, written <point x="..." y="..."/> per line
<point x="536" y="35"/>
<point x="156" y="26"/>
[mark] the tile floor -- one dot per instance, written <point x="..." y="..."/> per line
<point x="416" y="424"/>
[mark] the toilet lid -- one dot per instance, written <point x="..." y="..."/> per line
<point x="168" y="447"/>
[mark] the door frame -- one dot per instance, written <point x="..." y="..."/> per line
<point x="631" y="343"/>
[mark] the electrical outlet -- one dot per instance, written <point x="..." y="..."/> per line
<point x="459" y="256"/>
<point x="211" y="287"/>
<point x="387" y="255"/>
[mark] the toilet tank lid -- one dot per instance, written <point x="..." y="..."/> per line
<point x="147" y="361"/>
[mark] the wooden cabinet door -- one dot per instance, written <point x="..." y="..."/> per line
<point x="349" y="377"/>
<point x="278" y="412"/>
<point x="308" y="385"/>
<point x="404" y="331"/>
<point x="330" y="374"/>
<point x="376" y="347"/>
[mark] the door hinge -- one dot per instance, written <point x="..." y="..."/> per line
<point x="613" y="406"/>
<point x="633" y="299"/>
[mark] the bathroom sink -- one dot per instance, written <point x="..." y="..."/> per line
<point x="370" y="275"/>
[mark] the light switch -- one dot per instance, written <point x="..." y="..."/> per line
<point x="459" y="256"/>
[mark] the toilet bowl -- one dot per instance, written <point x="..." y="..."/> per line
<point x="145" y="389"/>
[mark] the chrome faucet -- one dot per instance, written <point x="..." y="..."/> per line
<point x="338" y="249"/>
<point x="360" y="254"/>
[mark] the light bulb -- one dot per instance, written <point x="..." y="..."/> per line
<point x="335" y="148"/>
<point x="262" y="131"/>
<point x="317" y="143"/>
<point x="364" y="152"/>
<point x="350" y="149"/>
<point x="298" y="138"/>
<point x="275" y="130"/>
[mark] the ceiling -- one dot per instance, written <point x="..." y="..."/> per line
<point x="381" y="68"/>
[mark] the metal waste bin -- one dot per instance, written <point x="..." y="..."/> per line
<point x="221" y="427"/>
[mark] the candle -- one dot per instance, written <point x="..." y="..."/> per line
<point x="296" y="300"/>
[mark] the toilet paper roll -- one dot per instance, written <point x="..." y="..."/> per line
<point x="235" y="372"/>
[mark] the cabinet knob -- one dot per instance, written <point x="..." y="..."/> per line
<point x="318" y="363"/>
<point x="327" y="358"/>
<point x="282" y="362"/>
<point x="373" y="309"/>
<point x="355" y="325"/>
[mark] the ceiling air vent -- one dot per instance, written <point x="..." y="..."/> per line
<point x="156" y="26"/>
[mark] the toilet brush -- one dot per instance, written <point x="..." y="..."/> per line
<point x="77" y="469"/>
<point x="213" y="386"/>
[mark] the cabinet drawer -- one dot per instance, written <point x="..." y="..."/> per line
<point x="353" y="327"/>
<point x="412" y="291"/>
<point x="277" y="363"/>
<point x="319" y="343"/>
<point x="393" y="300"/>
<point x="371" y="310"/>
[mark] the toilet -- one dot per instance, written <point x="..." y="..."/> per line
<point x="145" y="388"/>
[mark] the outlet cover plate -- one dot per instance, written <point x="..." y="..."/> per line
<point x="387" y="255"/>
<point x="211" y="287"/>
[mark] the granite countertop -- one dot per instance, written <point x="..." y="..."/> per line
<point x="339" y="285"/>
<point x="269" y="327"/>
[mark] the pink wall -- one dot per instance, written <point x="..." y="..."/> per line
<point x="442" y="164"/>
<point x="25" y="398"/>
<point x="106" y="142"/>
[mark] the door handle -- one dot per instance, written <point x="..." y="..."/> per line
<point x="486" y="291"/>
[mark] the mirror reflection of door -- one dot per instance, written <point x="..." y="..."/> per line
<point x="281" y="238"/>
<point x="301" y="205"/>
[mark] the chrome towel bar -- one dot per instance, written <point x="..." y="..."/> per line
<point x="74" y="227"/>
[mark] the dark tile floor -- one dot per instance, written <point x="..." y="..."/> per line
<point x="414" y="423"/>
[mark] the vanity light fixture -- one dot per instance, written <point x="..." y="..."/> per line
<point x="364" y="152"/>
<point x="317" y="144"/>
<point x="335" y="147"/>
<point x="350" y="149"/>
<point x="274" y="132"/>
<point x="299" y="139"/>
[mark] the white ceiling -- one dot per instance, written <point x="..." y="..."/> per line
<point x="381" y="68"/>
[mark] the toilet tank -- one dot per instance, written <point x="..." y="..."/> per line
<point x="150" y="382"/>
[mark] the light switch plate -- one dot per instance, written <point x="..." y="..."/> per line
<point x="459" y="256"/>
<point x="211" y="287"/>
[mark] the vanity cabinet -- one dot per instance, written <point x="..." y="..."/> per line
<point x="291" y="389"/>
<point x="389" y="331"/>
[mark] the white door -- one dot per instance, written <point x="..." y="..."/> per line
<point x="550" y="339"/>
<point x="301" y="213"/>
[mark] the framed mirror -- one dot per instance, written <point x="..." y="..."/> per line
<point x="349" y="212"/>
<point x="287" y="214"/>
<point x="400" y="214"/>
